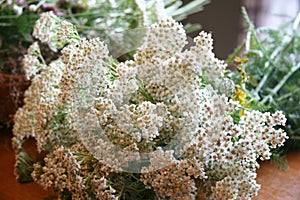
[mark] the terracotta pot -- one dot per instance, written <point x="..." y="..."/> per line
<point x="12" y="89"/>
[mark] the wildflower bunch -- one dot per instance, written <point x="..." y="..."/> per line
<point x="151" y="127"/>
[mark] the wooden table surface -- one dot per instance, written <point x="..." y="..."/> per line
<point x="10" y="189"/>
<point x="276" y="184"/>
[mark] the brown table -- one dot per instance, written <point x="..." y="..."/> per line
<point x="277" y="184"/>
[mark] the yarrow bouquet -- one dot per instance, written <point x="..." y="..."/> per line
<point x="163" y="125"/>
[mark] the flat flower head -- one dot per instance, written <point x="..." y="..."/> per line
<point x="55" y="32"/>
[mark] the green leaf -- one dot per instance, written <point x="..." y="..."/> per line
<point x="24" y="167"/>
<point x="189" y="28"/>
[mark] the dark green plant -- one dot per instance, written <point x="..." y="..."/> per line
<point x="24" y="167"/>
<point x="15" y="37"/>
<point x="274" y="71"/>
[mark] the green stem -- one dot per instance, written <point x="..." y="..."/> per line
<point x="85" y="14"/>
<point x="72" y="17"/>
<point x="286" y="42"/>
<point x="251" y="31"/>
<point x="40" y="3"/>
<point x="9" y="17"/>
<point x="283" y="97"/>
<point x="295" y="137"/>
<point x="41" y="58"/>
<point x="122" y="190"/>
<point x="281" y="83"/>
<point x="296" y="23"/>
<point x="83" y="27"/>
<point x="92" y="174"/>
<point x="236" y="52"/>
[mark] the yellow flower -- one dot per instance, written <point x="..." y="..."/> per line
<point x="237" y="60"/>
<point x="240" y="96"/>
<point x="245" y="76"/>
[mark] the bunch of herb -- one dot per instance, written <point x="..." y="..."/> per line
<point x="159" y="126"/>
<point x="273" y="70"/>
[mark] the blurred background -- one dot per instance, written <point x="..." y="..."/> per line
<point x="224" y="19"/>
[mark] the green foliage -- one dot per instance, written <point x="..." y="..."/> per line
<point x="256" y="105"/>
<point x="104" y="19"/>
<point x="131" y="187"/>
<point x="274" y="70"/>
<point x="278" y="158"/>
<point x="24" y="167"/>
<point x="178" y="11"/>
<point x="15" y="37"/>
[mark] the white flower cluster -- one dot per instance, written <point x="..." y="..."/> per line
<point x="83" y="58"/>
<point x="163" y="115"/>
<point x="69" y="169"/>
<point x="32" y="63"/>
<point x="41" y="102"/>
<point x="53" y="31"/>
